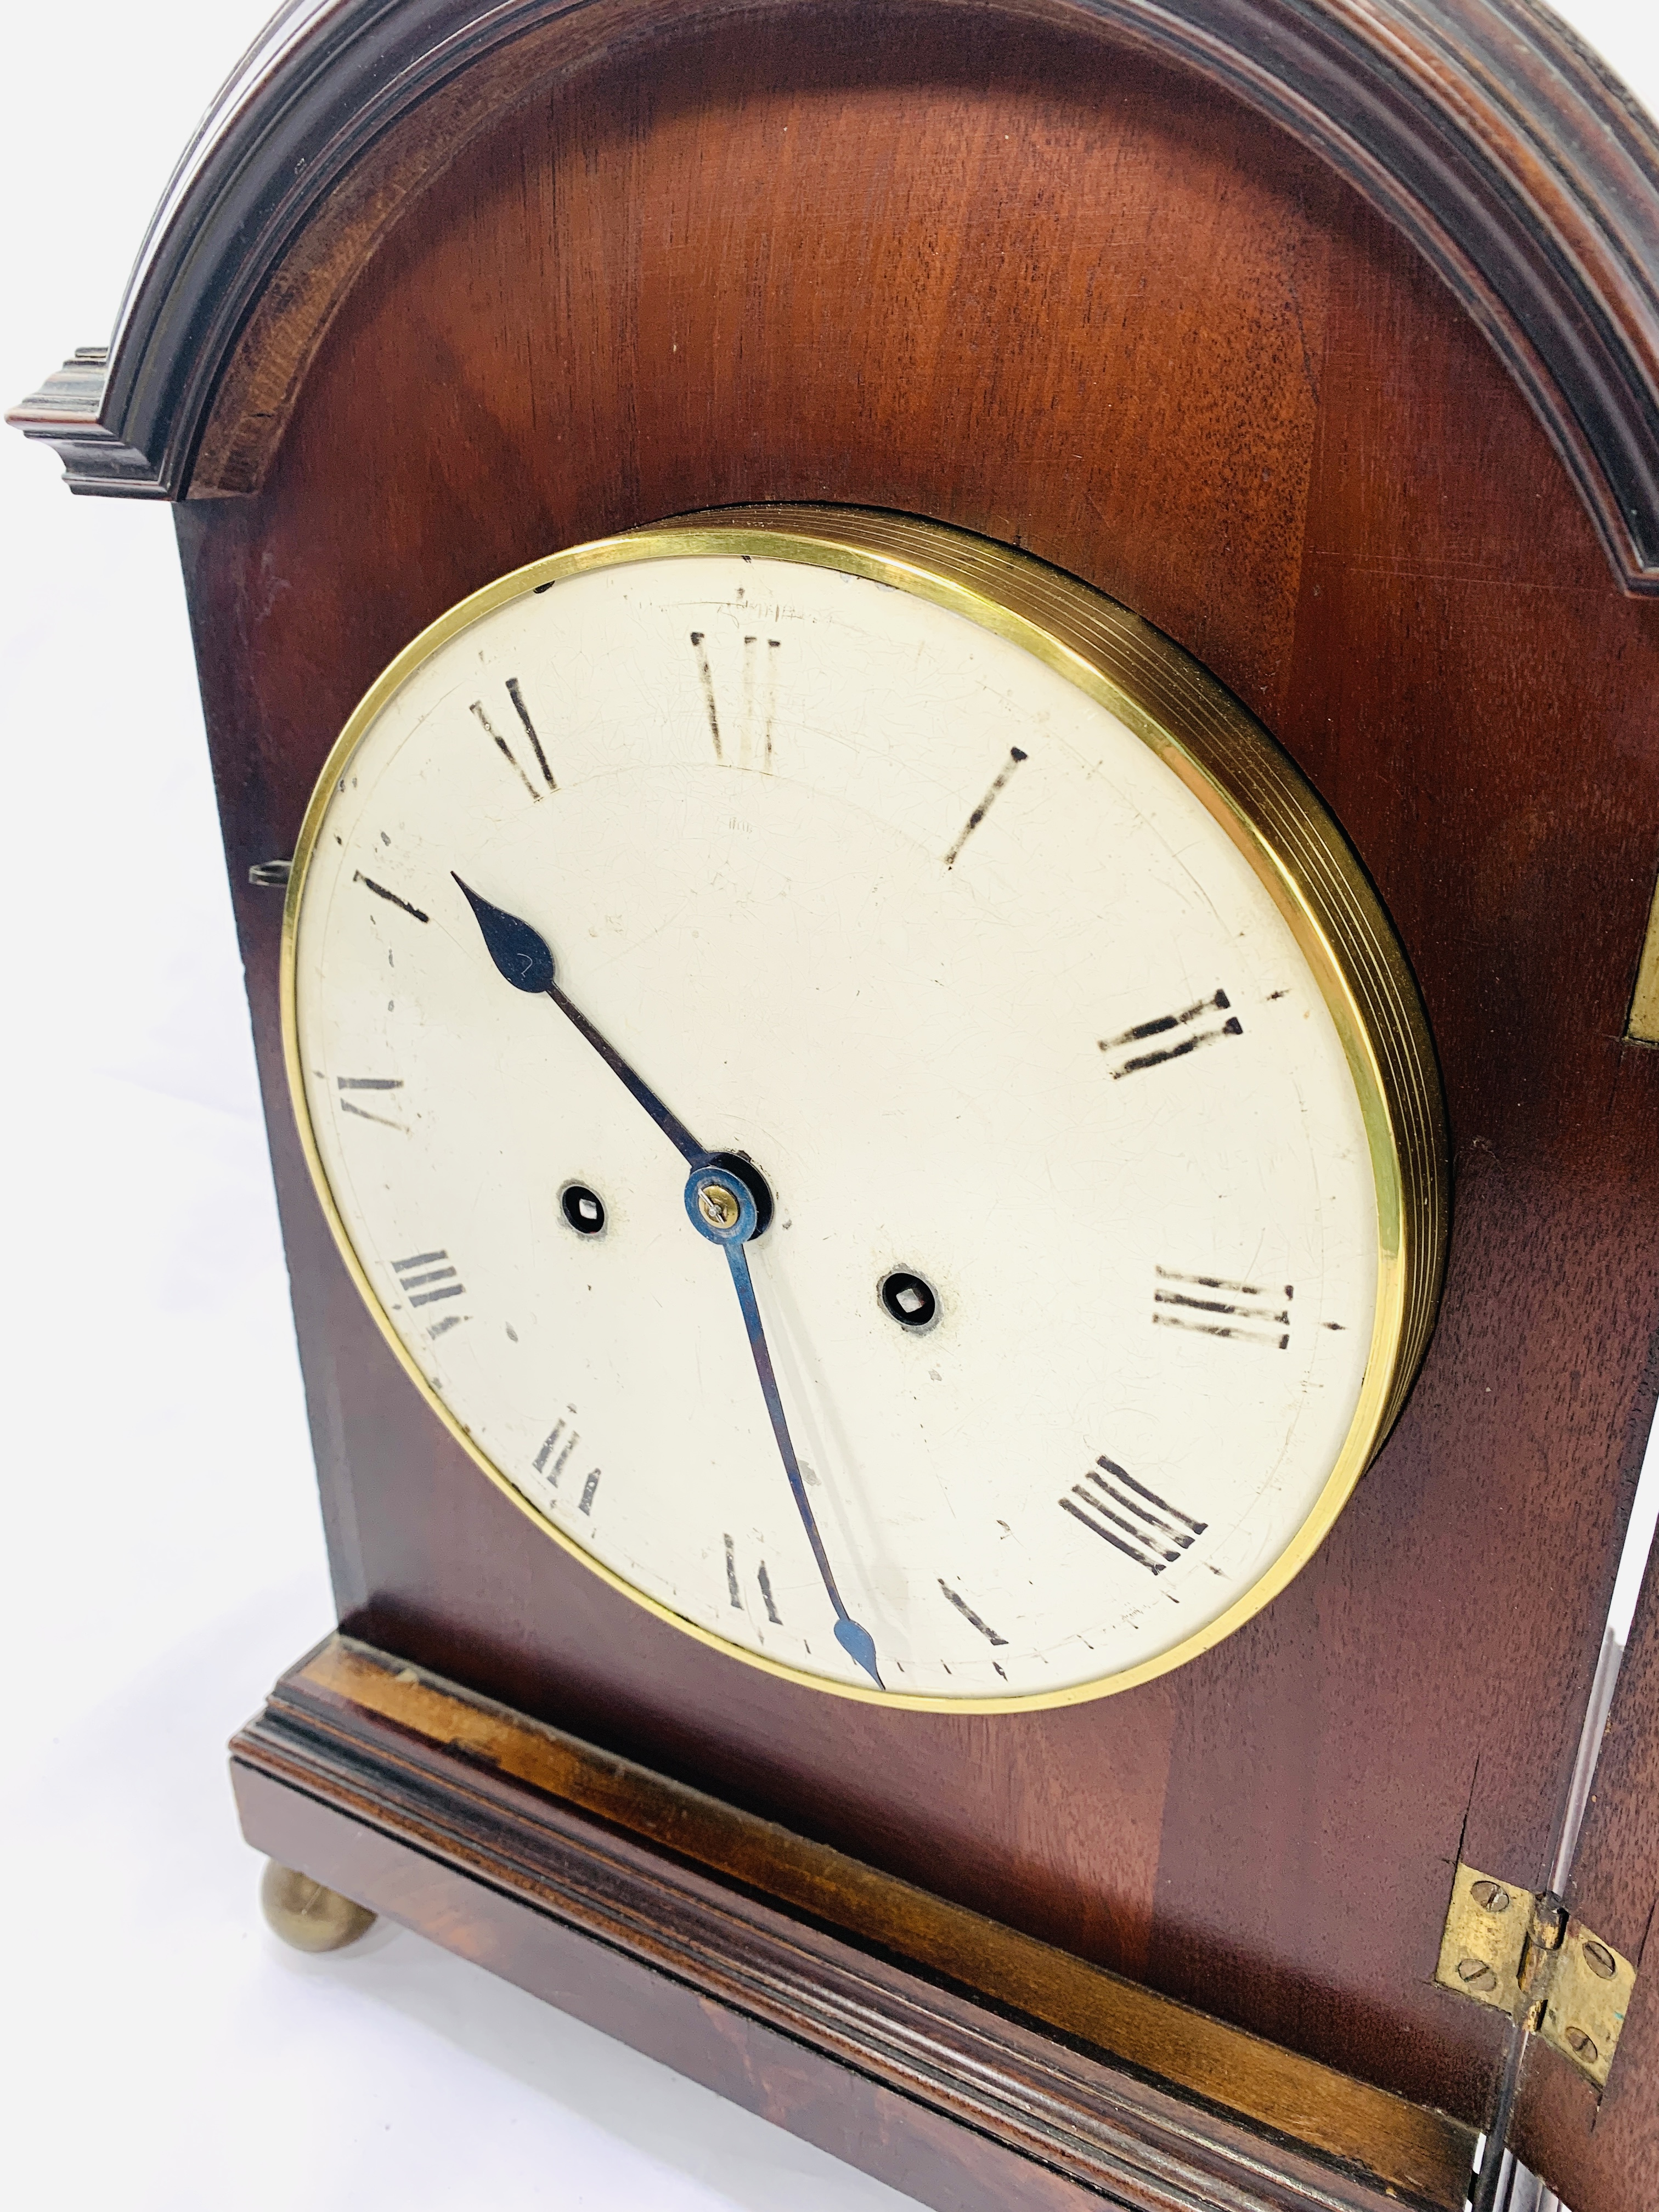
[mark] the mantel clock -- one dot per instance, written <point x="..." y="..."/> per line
<point x="934" y="728"/>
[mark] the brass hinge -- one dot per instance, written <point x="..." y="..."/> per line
<point x="1528" y="1957"/>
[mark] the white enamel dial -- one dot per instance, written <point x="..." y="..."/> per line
<point x="884" y="902"/>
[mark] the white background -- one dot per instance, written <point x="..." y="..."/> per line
<point x="164" y="1556"/>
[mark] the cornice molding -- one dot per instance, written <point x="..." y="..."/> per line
<point x="1520" y="167"/>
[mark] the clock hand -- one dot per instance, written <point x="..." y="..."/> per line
<point x="728" y="1203"/>
<point x="726" y="1199"/>
<point x="523" y="957"/>
<point x="853" y="1638"/>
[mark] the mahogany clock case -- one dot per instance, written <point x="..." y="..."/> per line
<point x="1100" y="291"/>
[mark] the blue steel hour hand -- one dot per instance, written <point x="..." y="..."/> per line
<point x="523" y="955"/>
<point x="727" y="1200"/>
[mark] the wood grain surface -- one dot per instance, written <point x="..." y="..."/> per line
<point x="1046" y="288"/>
<point x="1109" y="2087"/>
<point x="1484" y="128"/>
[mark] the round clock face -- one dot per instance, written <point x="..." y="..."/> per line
<point x="846" y="1115"/>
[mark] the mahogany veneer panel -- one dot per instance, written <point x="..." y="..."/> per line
<point x="1040" y="287"/>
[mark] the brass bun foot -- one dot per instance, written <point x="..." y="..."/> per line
<point x="308" y="1916"/>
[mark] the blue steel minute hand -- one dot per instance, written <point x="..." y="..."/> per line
<point x="725" y="1199"/>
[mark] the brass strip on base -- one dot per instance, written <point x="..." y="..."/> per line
<point x="1061" y="2061"/>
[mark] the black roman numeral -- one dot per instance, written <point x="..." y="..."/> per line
<point x="561" y="1441"/>
<point x="426" y="1278"/>
<point x="706" y="677"/>
<point x="734" y="1587"/>
<point x="760" y="699"/>
<point x="1128" y="1051"/>
<point x="481" y="714"/>
<point x="1215" y="1305"/>
<point x="555" y="1454"/>
<point x="1131" y="1518"/>
<point x="523" y="713"/>
<point x="971" y="1617"/>
<point x="383" y="1083"/>
<point x="391" y="897"/>
<point x="1015" y="757"/>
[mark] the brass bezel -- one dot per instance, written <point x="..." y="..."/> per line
<point x="1245" y="781"/>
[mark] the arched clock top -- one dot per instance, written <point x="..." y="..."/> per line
<point x="1521" y="168"/>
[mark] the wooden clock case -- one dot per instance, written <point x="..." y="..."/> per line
<point x="1325" y="334"/>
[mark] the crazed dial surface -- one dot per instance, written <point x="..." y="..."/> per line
<point x="880" y="901"/>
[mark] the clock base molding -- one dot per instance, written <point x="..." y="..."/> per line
<point x="962" y="2062"/>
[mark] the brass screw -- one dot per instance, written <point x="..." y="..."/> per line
<point x="718" y="1206"/>
<point x="1582" y="2045"/>
<point x="1491" y="1894"/>
<point x="1600" y="1960"/>
<point x="1476" y="1974"/>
